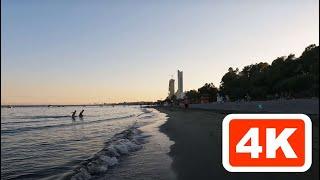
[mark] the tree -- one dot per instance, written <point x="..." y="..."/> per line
<point x="193" y="96"/>
<point x="296" y="77"/>
<point x="209" y="90"/>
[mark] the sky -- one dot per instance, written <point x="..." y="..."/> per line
<point x="100" y="51"/>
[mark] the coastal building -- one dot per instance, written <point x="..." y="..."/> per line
<point x="171" y="88"/>
<point x="179" y="93"/>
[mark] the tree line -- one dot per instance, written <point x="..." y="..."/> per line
<point x="285" y="77"/>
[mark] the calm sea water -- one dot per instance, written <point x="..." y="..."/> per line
<point x="46" y="143"/>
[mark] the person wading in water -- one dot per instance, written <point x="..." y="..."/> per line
<point x="80" y="114"/>
<point x="73" y="114"/>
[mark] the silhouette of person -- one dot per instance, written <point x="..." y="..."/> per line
<point x="73" y="114"/>
<point x="80" y="114"/>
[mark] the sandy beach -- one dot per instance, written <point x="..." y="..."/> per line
<point x="196" y="151"/>
<point x="306" y="106"/>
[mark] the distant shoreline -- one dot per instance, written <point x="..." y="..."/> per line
<point x="70" y="105"/>
<point x="4" y="106"/>
<point x="309" y="106"/>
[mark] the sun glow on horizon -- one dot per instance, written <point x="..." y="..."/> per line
<point x="110" y="52"/>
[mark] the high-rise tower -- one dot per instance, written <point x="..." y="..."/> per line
<point x="179" y="93"/>
<point x="171" y="88"/>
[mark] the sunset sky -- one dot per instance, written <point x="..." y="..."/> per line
<point x="75" y="52"/>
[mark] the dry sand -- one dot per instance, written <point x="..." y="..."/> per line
<point x="197" y="150"/>
<point x="306" y="106"/>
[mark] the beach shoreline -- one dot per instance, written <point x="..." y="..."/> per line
<point x="152" y="160"/>
<point x="196" y="151"/>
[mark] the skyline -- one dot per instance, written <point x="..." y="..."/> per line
<point x="57" y="52"/>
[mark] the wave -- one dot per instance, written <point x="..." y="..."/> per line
<point x="144" y="111"/>
<point x="33" y="117"/>
<point x="147" y="117"/>
<point x="121" y="144"/>
<point x="27" y="122"/>
<point x="40" y="117"/>
<point x="24" y="129"/>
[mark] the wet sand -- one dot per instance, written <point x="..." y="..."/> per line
<point x="152" y="161"/>
<point x="197" y="153"/>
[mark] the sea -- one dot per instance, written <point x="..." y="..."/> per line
<point x="108" y="142"/>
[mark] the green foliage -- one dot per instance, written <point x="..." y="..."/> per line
<point x="207" y="90"/>
<point x="286" y="77"/>
<point x="193" y="96"/>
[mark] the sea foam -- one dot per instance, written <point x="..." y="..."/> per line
<point x="121" y="144"/>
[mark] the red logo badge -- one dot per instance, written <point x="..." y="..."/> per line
<point x="266" y="143"/>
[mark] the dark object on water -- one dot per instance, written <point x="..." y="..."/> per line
<point x="73" y="114"/>
<point x="80" y="114"/>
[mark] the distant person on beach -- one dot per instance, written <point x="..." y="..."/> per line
<point x="73" y="114"/>
<point x="80" y="114"/>
<point x="186" y="103"/>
